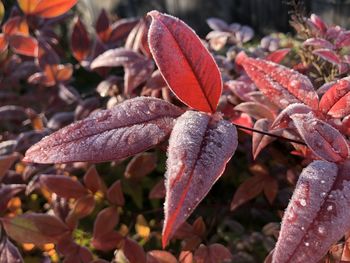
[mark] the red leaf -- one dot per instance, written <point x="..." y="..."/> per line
<point x="278" y="55"/>
<point x="80" y="41"/>
<point x="281" y="85"/>
<point x="335" y="101"/>
<point x="328" y="55"/>
<point x="317" y="215"/>
<point x="140" y="166"/>
<point x="24" y="45"/>
<point x="319" y="23"/>
<point x="129" y="128"/>
<point x="35" y="228"/>
<point x="115" y="194"/>
<point x="196" y="140"/>
<point x="324" y="141"/>
<point x="52" y="8"/>
<point x="184" y="62"/>
<point x="16" y="25"/>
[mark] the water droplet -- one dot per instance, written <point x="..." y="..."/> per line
<point x="302" y="228"/>
<point x="323" y="181"/>
<point x="329" y="208"/>
<point x="302" y="202"/>
<point x="323" y="194"/>
<point x="330" y="196"/>
<point x="321" y="229"/>
<point x="307" y="244"/>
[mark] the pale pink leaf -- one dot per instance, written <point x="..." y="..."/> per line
<point x="324" y="141"/>
<point x="327" y="55"/>
<point x="317" y="215"/>
<point x="195" y="142"/>
<point x="255" y="110"/>
<point x="318" y="43"/>
<point x="217" y="24"/>
<point x="280" y="84"/>
<point x="129" y="128"/>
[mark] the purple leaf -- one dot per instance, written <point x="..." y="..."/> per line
<point x="7" y="192"/>
<point x="323" y="140"/>
<point x="129" y="128"/>
<point x="8" y="252"/>
<point x="200" y="145"/>
<point x="317" y="215"/>
<point x="328" y="55"/>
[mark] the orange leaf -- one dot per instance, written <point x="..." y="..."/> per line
<point x="28" y="6"/>
<point x="53" y="8"/>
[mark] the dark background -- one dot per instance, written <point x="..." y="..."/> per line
<point x="264" y="16"/>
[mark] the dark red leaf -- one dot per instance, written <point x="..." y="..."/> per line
<point x="336" y="100"/>
<point x="92" y="180"/>
<point x="83" y="207"/>
<point x="115" y="194"/>
<point x="317" y="215"/>
<point x="133" y="251"/>
<point x="140" y="166"/>
<point x="129" y="128"/>
<point x="260" y="141"/>
<point x="121" y="29"/>
<point x="24" y="45"/>
<point x="196" y="140"/>
<point x="212" y="254"/>
<point x="80" y="41"/>
<point x="158" y="191"/>
<point x="281" y="85"/>
<point x="103" y="29"/>
<point x="63" y="186"/>
<point x="7" y="192"/>
<point x="35" y="228"/>
<point x="6" y="161"/>
<point x="158" y="256"/>
<point x="105" y="222"/>
<point x="189" y="69"/>
<point x="324" y="140"/>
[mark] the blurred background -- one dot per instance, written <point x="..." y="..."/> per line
<point x="264" y="16"/>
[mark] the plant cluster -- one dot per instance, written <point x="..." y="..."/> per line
<point x="90" y="125"/>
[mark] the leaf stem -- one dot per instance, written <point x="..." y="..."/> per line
<point x="269" y="134"/>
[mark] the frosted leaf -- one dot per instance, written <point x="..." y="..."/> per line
<point x="129" y="128"/>
<point x="336" y="101"/>
<point x="324" y="141"/>
<point x="199" y="148"/>
<point x="324" y="218"/>
<point x="283" y="119"/>
<point x="280" y="84"/>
